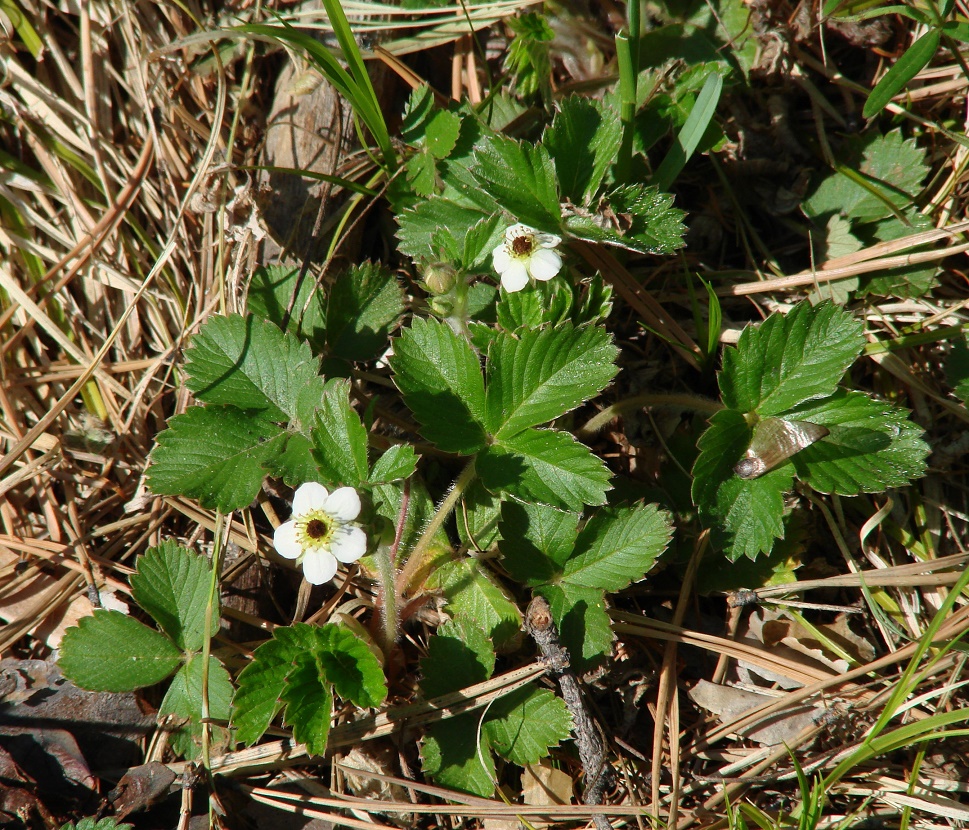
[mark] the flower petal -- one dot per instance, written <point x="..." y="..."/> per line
<point x="544" y="264"/>
<point x="310" y="496"/>
<point x="515" y="276"/>
<point x="319" y="567"/>
<point x="518" y="230"/>
<point x="343" y="504"/>
<point x="284" y="540"/>
<point x="547" y="240"/>
<point x="349" y="543"/>
<point x="500" y="258"/>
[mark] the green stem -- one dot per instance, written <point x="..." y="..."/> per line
<point x="692" y="402"/>
<point x="415" y="560"/>
<point x="627" y="104"/>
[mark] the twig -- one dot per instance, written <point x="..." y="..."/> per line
<point x="541" y="628"/>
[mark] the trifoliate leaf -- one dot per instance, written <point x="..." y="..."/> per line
<point x="440" y="378"/>
<point x="878" y="174"/>
<point x="215" y="454"/>
<point x="271" y="295"/>
<point x="397" y="463"/>
<point x="544" y="374"/>
<point x="521" y="178"/>
<point x="363" y="307"/>
<point x="309" y="704"/>
<point x="291" y="670"/>
<point x="419" y="225"/>
<point x="183" y="702"/>
<point x="477" y="518"/>
<point x="417" y="112"/>
<point x="472" y="594"/>
<point x="546" y="466"/>
<point x="536" y="541"/>
<point x="634" y="217"/>
<point x="339" y="438"/>
<point x="585" y="628"/>
<point x="749" y="512"/>
<point x="460" y="654"/>
<point x="453" y="756"/>
<point x="252" y="365"/>
<point x="583" y="141"/>
<point x="787" y="360"/>
<point x="111" y="652"/>
<point x="871" y="446"/>
<point x="525" y="724"/>
<point x="618" y="546"/>
<point x="172" y="584"/>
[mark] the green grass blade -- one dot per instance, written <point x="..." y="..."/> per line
<point x="906" y="67"/>
<point x="692" y="132"/>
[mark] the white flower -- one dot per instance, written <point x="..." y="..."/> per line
<point x="320" y="534"/>
<point x="526" y="253"/>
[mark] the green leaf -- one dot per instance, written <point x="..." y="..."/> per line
<point x="913" y="61"/>
<point x="295" y="464"/>
<point x="536" y="541"/>
<point x="291" y="670"/>
<point x="440" y="378"/>
<point x="251" y="364"/>
<point x="399" y="462"/>
<point x="172" y="584"/>
<point x="634" y="217"/>
<point x="422" y="172"/>
<point x="183" y="702"/>
<point x="479" y="242"/>
<point x="546" y="466"/>
<point x="472" y="594"/>
<point x="271" y="294"/>
<point x="339" y="438"/>
<point x="522" y="726"/>
<point x="477" y="519"/>
<point x="618" y="546"/>
<point x="521" y="178"/>
<point x="258" y="698"/>
<point x="583" y="141"/>
<point x="877" y="174"/>
<point x="908" y="281"/>
<point x="309" y="704"/>
<point x="528" y="57"/>
<point x="871" y="446"/>
<point x="111" y="652"/>
<point x="419" y="225"/>
<point x="215" y="454"/>
<point x="363" y="307"/>
<point x="544" y="374"/>
<point x="348" y="663"/>
<point x="749" y="512"/>
<point x="522" y="309"/>
<point x="459" y="655"/>
<point x="583" y="621"/>
<point x="452" y="755"/>
<point x="787" y="360"/>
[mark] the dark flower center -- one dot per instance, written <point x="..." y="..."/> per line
<point x="522" y="245"/>
<point x="316" y="528"/>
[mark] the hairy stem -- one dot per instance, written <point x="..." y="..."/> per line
<point x="416" y="558"/>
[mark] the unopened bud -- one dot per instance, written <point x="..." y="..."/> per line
<point x="440" y="277"/>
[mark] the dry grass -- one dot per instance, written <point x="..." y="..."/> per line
<point x="121" y="154"/>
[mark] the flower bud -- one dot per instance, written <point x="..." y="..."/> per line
<point x="439" y="277"/>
